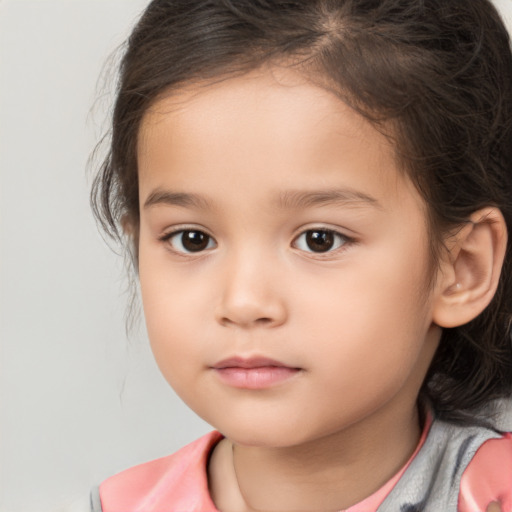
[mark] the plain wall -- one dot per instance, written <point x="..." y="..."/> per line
<point x="78" y="401"/>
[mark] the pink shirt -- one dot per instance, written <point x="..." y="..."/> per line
<point x="179" y="483"/>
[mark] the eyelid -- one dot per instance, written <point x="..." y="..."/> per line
<point x="176" y="230"/>
<point x="349" y="240"/>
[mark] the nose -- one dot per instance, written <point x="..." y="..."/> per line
<point x="252" y="295"/>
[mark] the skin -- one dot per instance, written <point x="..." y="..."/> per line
<point x="357" y="321"/>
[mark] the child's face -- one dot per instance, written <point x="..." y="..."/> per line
<point x="303" y="244"/>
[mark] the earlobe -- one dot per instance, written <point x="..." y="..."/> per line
<point x="470" y="270"/>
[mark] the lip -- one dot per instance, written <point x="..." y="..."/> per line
<point x="253" y="372"/>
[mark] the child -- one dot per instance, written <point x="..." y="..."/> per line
<point x="317" y="197"/>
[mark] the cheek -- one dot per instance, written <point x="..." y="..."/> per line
<point x="383" y="292"/>
<point x="372" y="318"/>
<point x="169" y="317"/>
<point x="171" y="294"/>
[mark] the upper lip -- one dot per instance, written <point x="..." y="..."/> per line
<point x="248" y="362"/>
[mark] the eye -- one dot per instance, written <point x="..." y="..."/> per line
<point x="189" y="241"/>
<point x="320" y="240"/>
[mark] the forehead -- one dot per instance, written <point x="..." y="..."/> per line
<point x="272" y="118"/>
<point x="276" y="107"/>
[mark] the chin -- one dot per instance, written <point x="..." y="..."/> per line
<point x="266" y="434"/>
<point x="262" y="440"/>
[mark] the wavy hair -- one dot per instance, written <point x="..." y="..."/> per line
<point x="439" y="72"/>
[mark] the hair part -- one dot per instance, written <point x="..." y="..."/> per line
<point x="439" y="73"/>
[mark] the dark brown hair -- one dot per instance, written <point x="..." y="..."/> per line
<point x="438" y="71"/>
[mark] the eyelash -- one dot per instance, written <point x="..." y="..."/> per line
<point x="167" y="239"/>
<point x="339" y="240"/>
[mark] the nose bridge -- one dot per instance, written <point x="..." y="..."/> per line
<point x="251" y="295"/>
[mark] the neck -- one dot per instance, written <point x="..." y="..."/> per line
<point x="330" y="473"/>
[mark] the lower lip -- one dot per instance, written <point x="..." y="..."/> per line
<point x="255" y="378"/>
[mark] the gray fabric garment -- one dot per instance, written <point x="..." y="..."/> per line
<point x="431" y="482"/>
<point x="95" y="500"/>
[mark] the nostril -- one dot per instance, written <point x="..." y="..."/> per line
<point x="226" y="321"/>
<point x="263" y="321"/>
<point x="258" y="321"/>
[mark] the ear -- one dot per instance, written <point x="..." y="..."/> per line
<point x="470" y="269"/>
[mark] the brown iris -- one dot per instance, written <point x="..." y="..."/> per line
<point x="194" y="241"/>
<point x="320" y="240"/>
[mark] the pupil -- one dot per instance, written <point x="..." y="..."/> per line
<point x="320" y="241"/>
<point x="194" y="241"/>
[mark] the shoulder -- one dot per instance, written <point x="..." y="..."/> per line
<point x="175" y="482"/>
<point x="448" y="472"/>
<point x="488" y="476"/>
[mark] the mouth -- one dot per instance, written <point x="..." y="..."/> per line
<point x="254" y="372"/>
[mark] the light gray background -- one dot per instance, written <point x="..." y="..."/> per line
<point x="78" y="402"/>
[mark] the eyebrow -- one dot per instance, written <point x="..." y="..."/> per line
<point x="288" y="200"/>
<point x="307" y="199"/>
<point x="177" y="199"/>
